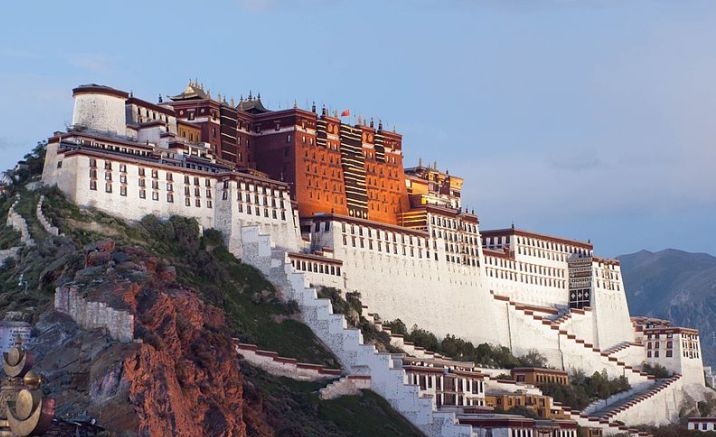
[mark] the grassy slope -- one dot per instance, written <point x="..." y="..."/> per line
<point x="254" y="315"/>
<point x="248" y="300"/>
<point x="293" y="408"/>
<point x="253" y="311"/>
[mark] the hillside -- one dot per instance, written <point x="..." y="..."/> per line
<point x="189" y="297"/>
<point x="675" y="285"/>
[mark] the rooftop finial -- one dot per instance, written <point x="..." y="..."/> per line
<point x="380" y="124"/>
<point x="232" y="102"/>
<point x="250" y="97"/>
<point x="258" y="96"/>
<point x="513" y="224"/>
<point x="295" y="105"/>
<point x="420" y="162"/>
<point x="160" y="98"/>
<point x="313" y="107"/>
<point x="323" y="110"/>
<point x="371" y="122"/>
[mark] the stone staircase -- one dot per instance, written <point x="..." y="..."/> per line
<point x="620" y="347"/>
<point x="348" y="385"/>
<point x="615" y="409"/>
<point x="388" y="379"/>
<point x="582" y="418"/>
<point x="567" y="339"/>
<point x="608" y="428"/>
<point x="563" y="318"/>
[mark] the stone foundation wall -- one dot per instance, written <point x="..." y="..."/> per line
<point x="52" y="230"/>
<point x="272" y="363"/>
<point x="16" y="221"/>
<point x="92" y="315"/>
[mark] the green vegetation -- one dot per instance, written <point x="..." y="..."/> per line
<point x="484" y="354"/>
<point x="657" y="370"/>
<point x="253" y="310"/>
<point x="582" y="389"/>
<point x="250" y="303"/>
<point x="293" y="408"/>
<point x="9" y="237"/>
<point x="352" y="308"/>
<point x="519" y="410"/>
<point x="29" y="168"/>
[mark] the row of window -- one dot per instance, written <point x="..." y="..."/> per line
<point x="454" y="236"/>
<point x="455" y="384"/>
<point x="519" y="266"/>
<point x="655" y="354"/>
<point x="551" y="245"/>
<point x="379" y="234"/>
<point x="112" y="147"/>
<point x="316" y="267"/>
<point x="142" y="193"/>
<point x="142" y="172"/>
<point x="526" y="279"/>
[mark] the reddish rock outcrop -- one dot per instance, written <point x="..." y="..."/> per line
<point x="183" y="379"/>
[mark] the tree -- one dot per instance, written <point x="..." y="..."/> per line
<point x="533" y="359"/>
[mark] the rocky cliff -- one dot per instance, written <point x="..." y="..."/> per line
<point x="180" y="377"/>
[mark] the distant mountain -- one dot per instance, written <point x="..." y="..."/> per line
<point x="674" y="285"/>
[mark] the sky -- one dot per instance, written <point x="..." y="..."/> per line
<point x="587" y="119"/>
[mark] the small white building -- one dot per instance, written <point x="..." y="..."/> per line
<point x="677" y="349"/>
<point x="508" y="425"/>
<point x="702" y="424"/>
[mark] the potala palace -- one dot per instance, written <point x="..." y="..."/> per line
<point x="313" y="201"/>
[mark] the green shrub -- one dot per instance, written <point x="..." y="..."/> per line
<point x="582" y="389"/>
<point x="657" y="370"/>
<point x="460" y="349"/>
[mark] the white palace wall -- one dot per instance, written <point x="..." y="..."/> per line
<point x="580" y="324"/>
<point x="444" y="297"/>
<point x="611" y="313"/>
<point x="413" y="281"/>
<point x="102" y="112"/>
<point x="203" y="196"/>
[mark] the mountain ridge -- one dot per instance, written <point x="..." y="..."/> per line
<point x="676" y="285"/>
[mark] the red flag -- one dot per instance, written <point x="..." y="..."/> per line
<point x="346" y="113"/>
